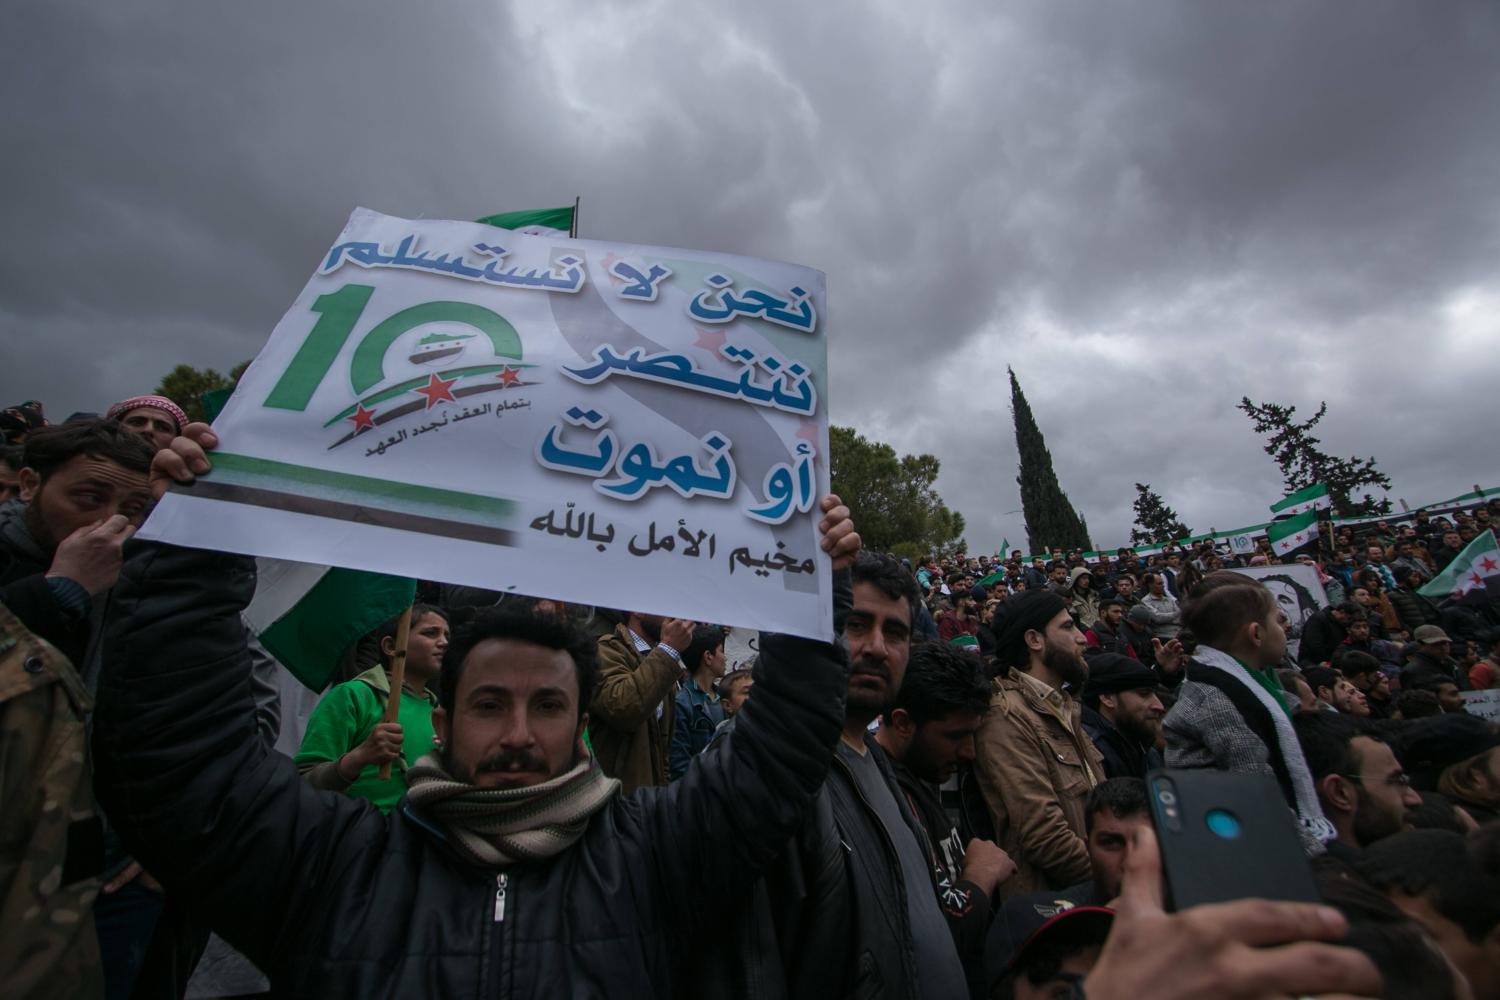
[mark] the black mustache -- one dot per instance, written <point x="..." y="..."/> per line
<point x="515" y="758"/>
<point x="868" y="665"/>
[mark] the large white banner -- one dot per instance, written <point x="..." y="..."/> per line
<point x="1298" y="590"/>
<point x="628" y="426"/>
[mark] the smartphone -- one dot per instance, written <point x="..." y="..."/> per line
<point x="1226" y="836"/>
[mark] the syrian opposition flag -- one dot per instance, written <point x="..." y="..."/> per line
<point x="1313" y="498"/>
<point x="307" y="615"/>
<point x="1478" y="565"/>
<point x="1293" y="532"/>
<point x="536" y="221"/>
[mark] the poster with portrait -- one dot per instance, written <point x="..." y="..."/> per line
<point x="1298" y="591"/>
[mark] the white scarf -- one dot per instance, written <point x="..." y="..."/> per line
<point x="1309" y="813"/>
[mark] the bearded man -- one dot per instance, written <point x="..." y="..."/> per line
<point x="1122" y="714"/>
<point x="1035" y="764"/>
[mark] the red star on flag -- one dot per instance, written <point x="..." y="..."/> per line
<point x="510" y="376"/>
<point x="363" y="419"/>
<point x="437" y="390"/>
<point x="709" y="340"/>
<point x="1489" y="564"/>
<point x="1476" y="579"/>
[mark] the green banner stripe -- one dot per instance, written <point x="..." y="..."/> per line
<point x="244" y="468"/>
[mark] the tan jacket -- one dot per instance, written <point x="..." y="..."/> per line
<point x="1035" y="775"/>
<point x="51" y="841"/>
<point x="629" y="739"/>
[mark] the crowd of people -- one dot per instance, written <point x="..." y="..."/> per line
<point x="949" y="800"/>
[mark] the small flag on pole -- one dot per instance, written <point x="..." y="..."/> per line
<point x="1315" y="497"/>
<point x="535" y="222"/>
<point x="1477" y="566"/>
<point x="1293" y="532"/>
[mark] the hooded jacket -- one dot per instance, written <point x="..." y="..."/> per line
<point x="1083" y="605"/>
<point x="331" y="898"/>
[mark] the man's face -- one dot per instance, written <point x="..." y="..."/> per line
<point x="1380" y="686"/>
<point x="738" y="692"/>
<point x="879" y="634"/>
<point x="1125" y="586"/>
<point x="1174" y="561"/>
<point x="1157" y="585"/>
<point x="939" y="744"/>
<point x="1438" y="650"/>
<point x="1362" y="596"/>
<point x="1113" y="614"/>
<point x="1136" y="713"/>
<point x="716" y="661"/>
<point x="1449" y="698"/>
<point x="515" y="719"/>
<point x="1072" y="968"/>
<point x="1359" y="631"/>
<point x="1375" y="554"/>
<point x="1108" y="841"/>
<point x="1060" y="575"/>
<point x="1338" y="616"/>
<point x="1349" y="699"/>
<point x="999" y="592"/>
<point x="1062" y="650"/>
<point x="152" y="424"/>
<point x="1084" y="582"/>
<point x="1451" y="539"/>
<point x="10" y="482"/>
<point x="1384" y="793"/>
<point x="1273" y="639"/>
<point x="82" y="491"/>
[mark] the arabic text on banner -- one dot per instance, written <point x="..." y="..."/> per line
<point x="627" y="426"/>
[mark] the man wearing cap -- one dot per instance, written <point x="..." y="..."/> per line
<point x="155" y="418"/>
<point x="1040" y="951"/>
<point x="1432" y="662"/>
<point x="1122" y="714"/>
<point x="1034" y="762"/>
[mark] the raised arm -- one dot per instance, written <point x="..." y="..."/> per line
<point x="223" y="822"/>
<point x="711" y="833"/>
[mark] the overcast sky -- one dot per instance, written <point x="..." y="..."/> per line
<point x="1148" y="209"/>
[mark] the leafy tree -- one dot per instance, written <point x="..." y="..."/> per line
<point x="1155" y="520"/>
<point x="1293" y="447"/>
<point x="1050" y="518"/>
<point x="185" y="386"/>
<point x="891" y="497"/>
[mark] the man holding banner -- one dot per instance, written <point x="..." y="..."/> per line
<point x="456" y="893"/>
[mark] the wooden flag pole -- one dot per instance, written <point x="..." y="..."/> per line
<point x="398" y="675"/>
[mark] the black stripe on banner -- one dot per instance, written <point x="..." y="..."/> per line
<point x="339" y="511"/>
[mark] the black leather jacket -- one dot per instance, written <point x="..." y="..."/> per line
<point x="331" y="898"/>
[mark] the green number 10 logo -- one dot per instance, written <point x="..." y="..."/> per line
<point x="339" y="312"/>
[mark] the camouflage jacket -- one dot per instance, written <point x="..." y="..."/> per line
<point x="51" y="840"/>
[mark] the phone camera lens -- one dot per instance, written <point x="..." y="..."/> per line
<point x="1166" y="798"/>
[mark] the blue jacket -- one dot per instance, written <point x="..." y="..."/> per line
<point x="697" y="716"/>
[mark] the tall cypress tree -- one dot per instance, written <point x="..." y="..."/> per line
<point x="1050" y="518"/>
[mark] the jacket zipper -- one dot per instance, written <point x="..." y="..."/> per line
<point x="501" y="881"/>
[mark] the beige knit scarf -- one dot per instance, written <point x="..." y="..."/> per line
<point x="495" y="827"/>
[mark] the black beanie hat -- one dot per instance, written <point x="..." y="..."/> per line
<point x="1033" y="609"/>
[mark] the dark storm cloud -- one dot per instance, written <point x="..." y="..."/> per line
<point x="1148" y="209"/>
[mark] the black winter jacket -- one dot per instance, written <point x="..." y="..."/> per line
<point x="1123" y="756"/>
<point x="331" y="898"/>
